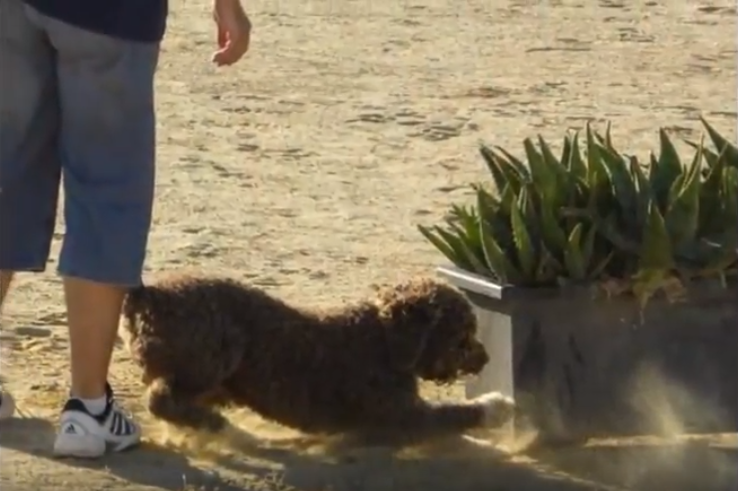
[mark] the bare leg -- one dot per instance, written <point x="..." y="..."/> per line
<point x="491" y="410"/>
<point x="180" y="409"/>
<point x="7" y="404"/>
<point x="6" y="277"/>
<point x="93" y="311"/>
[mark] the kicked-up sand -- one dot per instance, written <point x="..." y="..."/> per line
<point x="305" y="169"/>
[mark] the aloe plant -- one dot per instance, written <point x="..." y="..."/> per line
<point x="593" y="214"/>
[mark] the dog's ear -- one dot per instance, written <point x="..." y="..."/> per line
<point x="408" y="315"/>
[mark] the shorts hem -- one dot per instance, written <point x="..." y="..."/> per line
<point x="22" y="268"/>
<point x="120" y="282"/>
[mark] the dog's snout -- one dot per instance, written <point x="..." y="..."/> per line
<point x="477" y="358"/>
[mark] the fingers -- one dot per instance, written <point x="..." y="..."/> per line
<point x="234" y="32"/>
<point x="232" y="49"/>
<point x="222" y="37"/>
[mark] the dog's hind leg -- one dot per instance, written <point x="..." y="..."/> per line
<point x="491" y="410"/>
<point x="180" y="409"/>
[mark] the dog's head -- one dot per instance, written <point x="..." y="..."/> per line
<point x="431" y="330"/>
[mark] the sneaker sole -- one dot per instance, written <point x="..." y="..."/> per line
<point x="89" y="446"/>
<point x="79" y="446"/>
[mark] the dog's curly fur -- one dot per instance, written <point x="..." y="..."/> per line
<point x="204" y="343"/>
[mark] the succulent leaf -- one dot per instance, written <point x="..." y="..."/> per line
<point x="598" y="215"/>
<point x="494" y="166"/>
<point x="682" y="215"/>
<point x="441" y="245"/>
<point x="496" y="259"/>
<point x="518" y="165"/>
<point x="525" y="250"/>
<point x="573" y="257"/>
<point x="655" y="252"/>
<point x="721" y="144"/>
<point x="542" y="176"/>
<point x="576" y="165"/>
<point x="461" y="244"/>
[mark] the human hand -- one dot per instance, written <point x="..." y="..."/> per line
<point x="234" y="31"/>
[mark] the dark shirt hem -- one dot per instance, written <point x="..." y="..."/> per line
<point x="130" y="20"/>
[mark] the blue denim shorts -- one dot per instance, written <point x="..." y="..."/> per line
<point x="76" y="109"/>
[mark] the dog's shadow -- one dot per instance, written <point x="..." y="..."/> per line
<point x="239" y="461"/>
<point x="149" y="465"/>
<point x="233" y="460"/>
<point x="385" y="462"/>
<point x="193" y="462"/>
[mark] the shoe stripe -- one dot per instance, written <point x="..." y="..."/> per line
<point x="117" y="424"/>
<point x="120" y="426"/>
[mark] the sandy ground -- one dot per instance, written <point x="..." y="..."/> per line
<point x="305" y="170"/>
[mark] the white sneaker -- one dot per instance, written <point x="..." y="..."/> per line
<point x="7" y="405"/>
<point x="83" y="435"/>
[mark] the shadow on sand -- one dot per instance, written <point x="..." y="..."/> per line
<point x="708" y="463"/>
<point x="239" y="461"/>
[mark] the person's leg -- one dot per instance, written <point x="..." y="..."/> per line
<point x="6" y="278"/>
<point x="29" y="164"/>
<point x="107" y="142"/>
<point x="7" y="404"/>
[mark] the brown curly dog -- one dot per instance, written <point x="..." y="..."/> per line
<point x="205" y="343"/>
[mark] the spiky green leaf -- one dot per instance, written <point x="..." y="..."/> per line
<point x="573" y="258"/>
<point x="443" y="247"/>
<point x="655" y="252"/>
<point x="542" y="177"/>
<point x="682" y="215"/>
<point x="516" y="163"/>
<point x="494" y="166"/>
<point x="722" y="145"/>
<point x="558" y="170"/>
<point x="466" y="250"/>
<point x="597" y="174"/>
<point x="553" y="235"/>
<point x="523" y="243"/>
<point x="576" y="165"/>
<point x="495" y="257"/>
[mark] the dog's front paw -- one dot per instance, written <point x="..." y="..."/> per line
<point x="498" y="408"/>
<point x="210" y="422"/>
